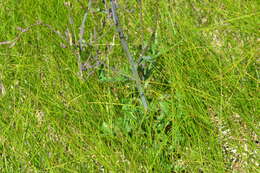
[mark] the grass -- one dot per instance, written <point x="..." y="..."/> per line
<point x="203" y="91"/>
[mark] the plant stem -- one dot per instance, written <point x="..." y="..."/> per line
<point x="130" y="57"/>
<point x="81" y="34"/>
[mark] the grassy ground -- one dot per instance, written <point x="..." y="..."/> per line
<point x="203" y="91"/>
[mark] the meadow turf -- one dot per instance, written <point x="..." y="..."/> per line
<point x="202" y="84"/>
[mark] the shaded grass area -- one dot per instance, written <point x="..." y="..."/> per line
<point x="203" y="92"/>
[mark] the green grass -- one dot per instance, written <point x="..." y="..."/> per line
<point x="203" y="92"/>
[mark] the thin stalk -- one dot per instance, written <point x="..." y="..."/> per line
<point x="130" y="57"/>
<point x="141" y="21"/>
<point x="81" y="34"/>
<point x="22" y="31"/>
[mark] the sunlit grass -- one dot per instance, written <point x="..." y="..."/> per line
<point x="203" y="92"/>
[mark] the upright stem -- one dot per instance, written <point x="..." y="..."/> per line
<point x="81" y="35"/>
<point x="130" y="57"/>
<point x="141" y="21"/>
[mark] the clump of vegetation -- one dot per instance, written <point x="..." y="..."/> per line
<point x="129" y="86"/>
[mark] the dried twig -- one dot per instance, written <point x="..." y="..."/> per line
<point x="130" y="58"/>
<point x="141" y="19"/>
<point x="82" y="27"/>
<point x="81" y="34"/>
<point x="39" y="23"/>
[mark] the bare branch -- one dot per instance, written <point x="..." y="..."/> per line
<point x="81" y="35"/>
<point x="130" y="58"/>
<point x="22" y="31"/>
